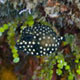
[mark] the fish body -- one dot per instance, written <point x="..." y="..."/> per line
<point x="38" y="40"/>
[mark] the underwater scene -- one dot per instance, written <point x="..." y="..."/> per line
<point x="39" y="39"/>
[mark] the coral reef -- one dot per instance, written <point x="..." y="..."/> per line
<point x="39" y="23"/>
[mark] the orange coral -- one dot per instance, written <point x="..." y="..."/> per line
<point x="6" y="74"/>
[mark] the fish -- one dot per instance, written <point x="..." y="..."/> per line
<point x="38" y="40"/>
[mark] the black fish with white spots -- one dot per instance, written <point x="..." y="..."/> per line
<point x="38" y="40"/>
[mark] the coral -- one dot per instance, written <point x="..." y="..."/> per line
<point x="18" y="32"/>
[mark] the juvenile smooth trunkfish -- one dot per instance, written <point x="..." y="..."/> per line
<point x="38" y="40"/>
